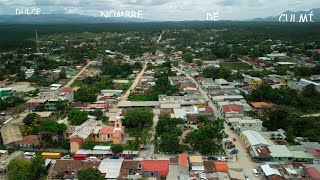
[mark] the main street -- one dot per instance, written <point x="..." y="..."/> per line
<point x="134" y="84"/>
<point x="79" y="74"/>
<point x="243" y="160"/>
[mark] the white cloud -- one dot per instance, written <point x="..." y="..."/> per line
<point x="167" y="9"/>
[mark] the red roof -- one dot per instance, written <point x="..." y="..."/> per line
<point x="76" y="139"/>
<point x="66" y="90"/>
<point x="183" y="160"/>
<point x="313" y="173"/>
<point x="162" y="166"/>
<point x="209" y="109"/>
<point x="106" y="130"/>
<point x="31" y="139"/>
<point x="232" y="108"/>
<point x="221" y="166"/>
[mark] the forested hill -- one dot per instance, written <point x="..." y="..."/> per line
<point x="16" y="35"/>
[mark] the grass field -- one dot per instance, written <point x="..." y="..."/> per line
<point x="235" y="66"/>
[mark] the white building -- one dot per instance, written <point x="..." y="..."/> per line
<point x="276" y="54"/>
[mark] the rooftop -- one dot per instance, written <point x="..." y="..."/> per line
<point x="255" y="138"/>
<point x="31" y="139"/>
<point x="162" y="166"/>
<point x="111" y="167"/>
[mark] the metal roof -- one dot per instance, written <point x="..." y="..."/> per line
<point x="111" y="167"/>
<point x="255" y="138"/>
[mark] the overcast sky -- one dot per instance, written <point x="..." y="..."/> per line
<point x="166" y="9"/>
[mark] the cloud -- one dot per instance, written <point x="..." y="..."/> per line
<point x="167" y="9"/>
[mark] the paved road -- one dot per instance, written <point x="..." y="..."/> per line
<point x="79" y="74"/>
<point x="243" y="160"/>
<point x="134" y="84"/>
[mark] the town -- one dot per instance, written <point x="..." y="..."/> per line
<point x="191" y="102"/>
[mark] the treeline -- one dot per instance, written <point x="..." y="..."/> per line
<point x="13" y="36"/>
<point x="289" y="110"/>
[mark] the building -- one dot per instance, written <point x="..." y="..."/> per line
<point x="29" y="141"/>
<point x="245" y="123"/>
<point x="303" y="83"/>
<point x="5" y="161"/>
<point x="63" y="169"/>
<point x="276" y="54"/>
<point x="254" y="81"/>
<point x="33" y="104"/>
<point x="312" y="173"/>
<point x="196" y="163"/>
<point x="183" y="163"/>
<point x="5" y="92"/>
<point x="253" y="138"/>
<point x="92" y="131"/>
<point x="155" y="168"/>
<point x="271" y="173"/>
<point x="275" y="153"/>
<point x="110" y="168"/>
<point x="220" y="166"/>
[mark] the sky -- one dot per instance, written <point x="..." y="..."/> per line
<point x="166" y="10"/>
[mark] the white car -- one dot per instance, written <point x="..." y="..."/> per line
<point x="255" y="172"/>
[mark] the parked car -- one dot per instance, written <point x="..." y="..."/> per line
<point x="225" y="135"/>
<point x="212" y="158"/>
<point x="93" y="158"/>
<point x="230" y="146"/>
<point x="235" y="151"/>
<point x="128" y="157"/>
<point x="114" y="157"/>
<point x="255" y="172"/>
<point x="67" y="157"/>
<point x="222" y="159"/>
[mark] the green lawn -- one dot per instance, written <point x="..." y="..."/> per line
<point x="235" y="66"/>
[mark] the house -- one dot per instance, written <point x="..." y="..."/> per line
<point x="275" y="153"/>
<point x="110" y="168"/>
<point x="29" y="141"/>
<point x="270" y="172"/>
<point x="220" y="166"/>
<point x="5" y="161"/>
<point x="261" y="105"/>
<point x="244" y="123"/>
<point x="196" y="163"/>
<point x="254" y="81"/>
<point x="33" y="104"/>
<point x="130" y="170"/>
<point x="183" y="163"/>
<point x="276" y="54"/>
<point x="155" y="168"/>
<point x="66" y="93"/>
<point x="312" y="173"/>
<point x="92" y="131"/>
<point x="63" y="169"/>
<point x="5" y="92"/>
<point x="253" y="138"/>
<point x="231" y="109"/>
<point x="29" y="73"/>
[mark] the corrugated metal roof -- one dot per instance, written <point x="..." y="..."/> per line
<point x="255" y="138"/>
<point x="111" y="167"/>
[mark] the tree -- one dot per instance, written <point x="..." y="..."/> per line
<point x="88" y="144"/>
<point x="62" y="74"/>
<point x="38" y="169"/>
<point x="52" y="126"/>
<point x="31" y="118"/>
<point x="77" y="117"/>
<point x="97" y="113"/>
<point x="3" y="105"/>
<point x="207" y="139"/>
<point x="138" y="119"/>
<point x="19" y="169"/>
<point x="116" y="148"/>
<point x="61" y="106"/>
<point x="290" y="135"/>
<point x="85" y="94"/>
<point x="89" y="174"/>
